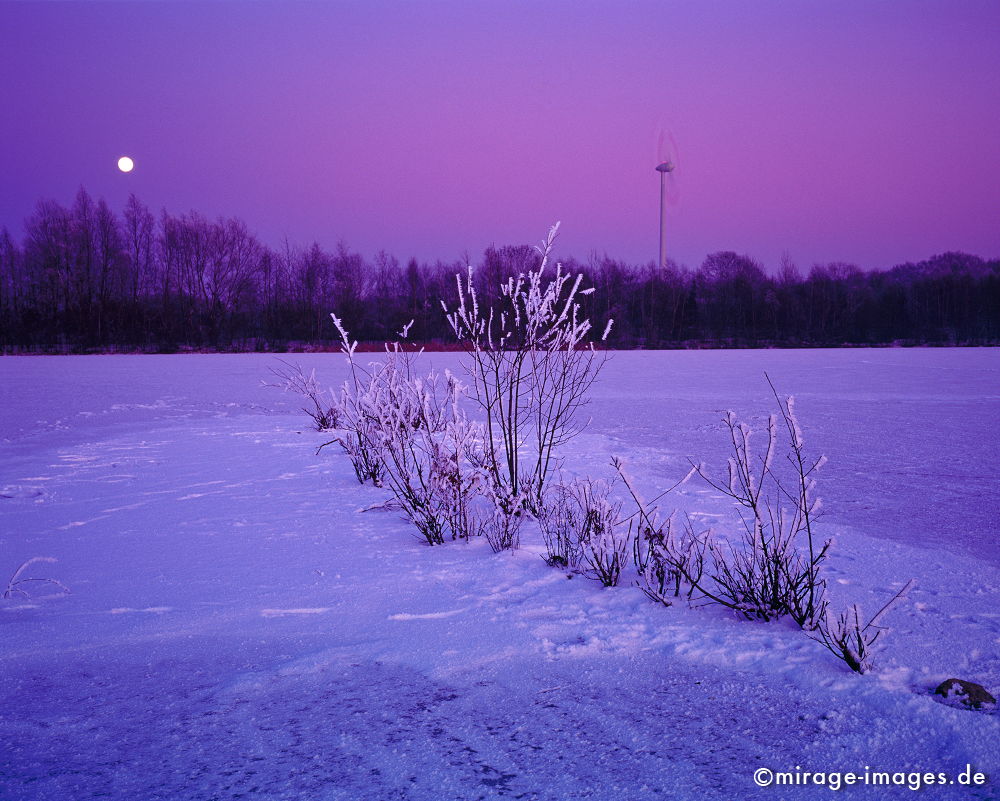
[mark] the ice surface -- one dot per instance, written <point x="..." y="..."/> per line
<point x="238" y="629"/>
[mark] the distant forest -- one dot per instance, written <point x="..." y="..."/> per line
<point x="87" y="279"/>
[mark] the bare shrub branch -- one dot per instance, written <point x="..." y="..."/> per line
<point x="665" y="557"/>
<point x="321" y="407"/>
<point x="580" y="525"/>
<point x="558" y="519"/>
<point x="17" y="586"/>
<point x="774" y="569"/>
<point x="502" y="526"/>
<point x="846" y="638"/>
<point x="406" y="432"/>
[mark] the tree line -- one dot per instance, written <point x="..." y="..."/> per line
<point x="85" y="278"/>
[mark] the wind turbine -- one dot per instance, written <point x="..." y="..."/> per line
<point x="666" y="163"/>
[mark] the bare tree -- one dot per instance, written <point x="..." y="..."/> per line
<point x="109" y="259"/>
<point x="139" y="230"/>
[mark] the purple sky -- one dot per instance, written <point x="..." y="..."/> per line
<point x="849" y="131"/>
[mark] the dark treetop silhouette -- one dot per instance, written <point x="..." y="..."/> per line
<point x="85" y="278"/>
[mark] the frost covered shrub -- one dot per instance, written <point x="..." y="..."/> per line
<point x="408" y="451"/>
<point x="456" y="478"/>
<point x="357" y="432"/>
<point x="663" y="553"/>
<point x="422" y="440"/>
<point x="435" y="466"/>
<point x="605" y="543"/>
<point x="774" y="568"/>
<point x="559" y="521"/>
<point x="531" y="367"/>
<point x="321" y="407"/>
<point x="581" y="527"/>
<point x="502" y="526"/>
<point x="406" y="432"/>
<point x="847" y="638"/>
<point x="358" y="442"/>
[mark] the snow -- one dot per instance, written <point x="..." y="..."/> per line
<point x="237" y="628"/>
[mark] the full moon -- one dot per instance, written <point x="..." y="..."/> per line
<point x="125" y="164"/>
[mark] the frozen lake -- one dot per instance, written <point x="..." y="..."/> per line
<point x="237" y="628"/>
<point x="911" y="434"/>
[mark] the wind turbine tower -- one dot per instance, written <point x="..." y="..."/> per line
<point x="663" y="168"/>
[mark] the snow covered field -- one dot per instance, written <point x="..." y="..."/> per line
<point x="236" y="628"/>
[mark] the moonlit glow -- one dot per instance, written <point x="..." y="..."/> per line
<point x="125" y="164"/>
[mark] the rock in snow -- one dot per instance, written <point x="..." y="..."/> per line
<point x="965" y="693"/>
